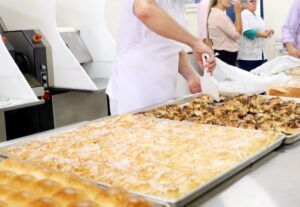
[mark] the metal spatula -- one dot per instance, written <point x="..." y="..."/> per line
<point x="209" y="84"/>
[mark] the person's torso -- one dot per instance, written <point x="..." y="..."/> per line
<point x="146" y="69"/>
<point x="221" y="41"/>
<point x="252" y="49"/>
<point x="132" y="31"/>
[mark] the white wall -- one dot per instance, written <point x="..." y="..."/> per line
<point x="112" y="16"/>
<point x="275" y="15"/>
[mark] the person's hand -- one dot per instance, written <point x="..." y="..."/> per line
<point x="194" y="84"/>
<point x="200" y="48"/>
<point x="293" y="51"/>
<point x="270" y="32"/>
<point x="238" y="7"/>
<point x="266" y="33"/>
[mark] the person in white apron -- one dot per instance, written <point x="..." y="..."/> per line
<point x="149" y="58"/>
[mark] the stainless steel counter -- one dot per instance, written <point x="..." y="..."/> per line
<point x="273" y="181"/>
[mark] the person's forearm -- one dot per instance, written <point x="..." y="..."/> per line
<point x="161" y="23"/>
<point x="186" y="68"/>
<point x="238" y="23"/>
<point x="289" y="45"/>
<point x="260" y="34"/>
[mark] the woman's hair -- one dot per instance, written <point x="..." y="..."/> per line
<point x="212" y="3"/>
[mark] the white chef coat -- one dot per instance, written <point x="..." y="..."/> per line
<point x="146" y="69"/>
<point x="252" y="49"/>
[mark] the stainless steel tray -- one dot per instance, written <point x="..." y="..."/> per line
<point x="289" y="139"/>
<point x="40" y="136"/>
<point x="154" y="204"/>
<point x="159" y="202"/>
<point x="186" y="199"/>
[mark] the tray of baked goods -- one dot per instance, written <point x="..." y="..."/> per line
<point x="288" y="89"/>
<point x="166" y="162"/>
<point x="251" y="112"/>
<point x="28" y="185"/>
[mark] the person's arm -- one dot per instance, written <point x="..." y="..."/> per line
<point x="238" y="17"/>
<point x="187" y="70"/>
<point x="290" y="28"/>
<point x="163" y="24"/>
<point x="248" y="30"/>
<point x="292" y="50"/>
<point x="253" y="34"/>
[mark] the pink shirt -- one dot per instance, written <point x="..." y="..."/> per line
<point x="202" y="19"/>
<point x="222" y="31"/>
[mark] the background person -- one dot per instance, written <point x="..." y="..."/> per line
<point x="291" y="30"/>
<point x="223" y="32"/>
<point x="252" y="51"/>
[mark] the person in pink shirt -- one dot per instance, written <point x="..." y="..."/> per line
<point x="223" y="32"/>
<point x="291" y="30"/>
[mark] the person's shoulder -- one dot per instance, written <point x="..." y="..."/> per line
<point x="246" y="12"/>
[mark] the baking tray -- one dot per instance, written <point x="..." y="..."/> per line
<point x="188" y="198"/>
<point x="159" y="202"/>
<point x="289" y="139"/>
<point x="156" y="204"/>
<point x="41" y="135"/>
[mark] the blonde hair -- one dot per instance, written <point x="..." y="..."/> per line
<point x="212" y="3"/>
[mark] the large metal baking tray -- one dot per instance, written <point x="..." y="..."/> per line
<point x="289" y="139"/>
<point x="188" y="198"/>
<point x="159" y="202"/>
<point x="40" y="136"/>
<point x="154" y="204"/>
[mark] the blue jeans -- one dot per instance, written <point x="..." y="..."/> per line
<point x="249" y="65"/>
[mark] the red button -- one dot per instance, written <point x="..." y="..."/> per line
<point x="37" y="38"/>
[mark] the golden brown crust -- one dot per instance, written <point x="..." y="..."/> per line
<point x="251" y="112"/>
<point x="51" y="188"/>
<point x="159" y="158"/>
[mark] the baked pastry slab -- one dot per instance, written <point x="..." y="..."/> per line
<point x="26" y="185"/>
<point x="252" y="112"/>
<point x="155" y="157"/>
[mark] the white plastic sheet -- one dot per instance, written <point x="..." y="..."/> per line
<point x="234" y="80"/>
<point x="277" y="65"/>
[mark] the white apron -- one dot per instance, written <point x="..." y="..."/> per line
<point x="146" y="69"/>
